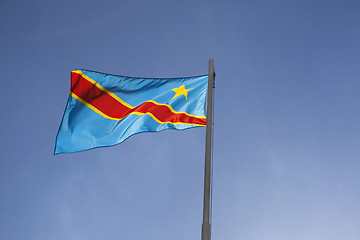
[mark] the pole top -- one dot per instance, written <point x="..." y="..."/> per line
<point x="212" y="73"/>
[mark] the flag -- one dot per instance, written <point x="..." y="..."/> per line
<point x="104" y="110"/>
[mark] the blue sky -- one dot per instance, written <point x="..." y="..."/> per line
<point x="286" y="155"/>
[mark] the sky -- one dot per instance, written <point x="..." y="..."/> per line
<point x="286" y="136"/>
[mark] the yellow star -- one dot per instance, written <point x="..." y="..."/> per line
<point x="181" y="91"/>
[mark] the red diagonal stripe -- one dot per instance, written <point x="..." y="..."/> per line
<point x="108" y="105"/>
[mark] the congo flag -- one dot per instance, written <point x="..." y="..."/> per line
<point x="104" y="110"/>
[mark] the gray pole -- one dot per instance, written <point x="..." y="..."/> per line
<point x="206" y="225"/>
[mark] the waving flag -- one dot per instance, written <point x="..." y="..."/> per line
<point x="104" y="110"/>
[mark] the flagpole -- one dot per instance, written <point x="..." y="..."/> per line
<point x="206" y="225"/>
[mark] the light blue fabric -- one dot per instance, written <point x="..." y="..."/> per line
<point x="82" y="128"/>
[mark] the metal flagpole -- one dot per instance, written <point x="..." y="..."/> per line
<point x="206" y="225"/>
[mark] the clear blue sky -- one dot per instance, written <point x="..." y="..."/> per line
<point x="287" y="120"/>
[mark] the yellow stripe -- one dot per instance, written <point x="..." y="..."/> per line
<point x="125" y="103"/>
<point x="172" y="110"/>
<point x="91" y="106"/>
<point x="103" y="89"/>
<point x="117" y="119"/>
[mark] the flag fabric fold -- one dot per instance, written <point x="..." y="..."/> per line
<point x="104" y="110"/>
